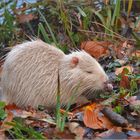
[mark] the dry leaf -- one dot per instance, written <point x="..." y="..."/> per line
<point x="95" y="48"/>
<point x="11" y="107"/>
<point x="125" y="83"/>
<point x="95" y="119"/>
<point x="119" y="70"/>
<point x="76" y="129"/>
<point x="91" y="119"/>
<point x="25" y="18"/>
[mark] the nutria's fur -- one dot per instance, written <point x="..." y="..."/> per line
<point x="30" y="74"/>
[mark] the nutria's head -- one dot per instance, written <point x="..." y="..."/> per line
<point x="78" y="67"/>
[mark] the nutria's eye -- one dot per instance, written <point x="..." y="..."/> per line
<point x="90" y="72"/>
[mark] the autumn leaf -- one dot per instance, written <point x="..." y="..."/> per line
<point x="22" y="18"/>
<point x="76" y="129"/>
<point x="95" y="119"/>
<point x="125" y="83"/>
<point x="120" y="70"/>
<point x="91" y="119"/>
<point x="95" y="48"/>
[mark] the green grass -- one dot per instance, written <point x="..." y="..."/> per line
<point x="20" y="131"/>
<point x="66" y="17"/>
<point x="61" y="118"/>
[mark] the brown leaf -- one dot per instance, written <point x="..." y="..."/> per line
<point x="22" y="18"/>
<point x="76" y="129"/>
<point x="95" y="48"/>
<point x="119" y="70"/>
<point x="18" y="112"/>
<point x="11" y="107"/>
<point x="125" y="83"/>
<point x="66" y="134"/>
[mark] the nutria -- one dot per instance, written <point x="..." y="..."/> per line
<point x="31" y="71"/>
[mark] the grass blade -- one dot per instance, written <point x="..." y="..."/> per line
<point x="99" y="16"/>
<point x="43" y="32"/>
<point x="116" y="12"/>
<point x="129" y="7"/>
<point x="81" y="11"/>
<point x="68" y="107"/>
<point x="48" y="26"/>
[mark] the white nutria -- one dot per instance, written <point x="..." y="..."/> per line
<point x="30" y="74"/>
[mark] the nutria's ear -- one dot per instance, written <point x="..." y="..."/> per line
<point x="74" y="61"/>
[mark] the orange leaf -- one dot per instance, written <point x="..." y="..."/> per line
<point x="91" y="119"/>
<point x="95" y="119"/>
<point x="95" y="48"/>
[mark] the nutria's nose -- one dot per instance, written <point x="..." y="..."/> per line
<point x="108" y="86"/>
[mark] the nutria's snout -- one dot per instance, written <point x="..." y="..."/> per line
<point x="108" y="86"/>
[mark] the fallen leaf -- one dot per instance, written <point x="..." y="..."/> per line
<point x="75" y="128"/>
<point x="66" y="134"/>
<point x="95" y="119"/>
<point x="22" y="18"/>
<point x="119" y="70"/>
<point x="95" y="48"/>
<point x="18" y="112"/>
<point x="91" y="119"/>
<point x="125" y="83"/>
<point x="11" y="107"/>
